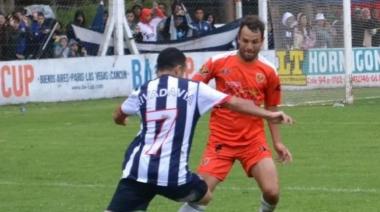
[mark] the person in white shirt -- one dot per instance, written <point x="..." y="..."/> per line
<point x="148" y="23"/>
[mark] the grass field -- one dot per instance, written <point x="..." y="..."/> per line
<point x="67" y="157"/>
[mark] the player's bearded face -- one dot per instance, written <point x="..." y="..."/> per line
<point x="250" y="43"/>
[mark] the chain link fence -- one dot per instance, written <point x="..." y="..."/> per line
<point x="34" y="29"/>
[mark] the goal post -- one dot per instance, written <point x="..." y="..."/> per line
<point x="348" y="58"/>
<point x="313" y="47"/>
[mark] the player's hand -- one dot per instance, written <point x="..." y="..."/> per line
<point x="280" y="117"/>
<point x="119" y="117"/>
<point x="284" y="155"/>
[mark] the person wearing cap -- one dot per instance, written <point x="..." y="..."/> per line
<point x="323" y="32"/>
<point x="147" y="25"/>
<point x="76" y="50"/>
<point x="288" y="23"/>
<point x="61" y="47"/>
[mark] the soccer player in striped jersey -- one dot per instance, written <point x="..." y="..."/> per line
<point x="156" y="162"/>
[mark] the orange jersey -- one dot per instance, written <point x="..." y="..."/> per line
<point x="256" y="80"/>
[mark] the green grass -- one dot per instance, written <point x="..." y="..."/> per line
<point x="67" y="157"/>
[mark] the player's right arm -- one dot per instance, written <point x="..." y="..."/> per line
<point x="248" y="107"/>
<point x="130" y="106"/>
<point x="209" y="97"/>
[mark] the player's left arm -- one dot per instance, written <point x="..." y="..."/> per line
<point x="283" y="153"/>
<point x="272" y="99"/>
<point x="129" y="107"/>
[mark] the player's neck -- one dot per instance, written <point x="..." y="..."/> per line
<point x="163" y="73"/>
<point x="246" y="61"/>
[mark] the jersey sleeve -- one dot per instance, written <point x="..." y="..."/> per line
<point x="206" y="73"/>
<point x="131" y="105"/>
<point x="273" y="92"/>
<point x="209" y="97"/>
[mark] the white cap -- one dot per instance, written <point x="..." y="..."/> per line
<point x="285" y="17"/>
<point x="319" y="17"/>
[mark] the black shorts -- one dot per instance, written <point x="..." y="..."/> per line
<point x="131" y="195"/>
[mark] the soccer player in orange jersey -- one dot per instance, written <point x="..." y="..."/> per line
<point x="234" y="136"/>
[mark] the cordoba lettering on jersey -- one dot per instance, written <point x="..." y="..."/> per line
<point x="163" y="92"/>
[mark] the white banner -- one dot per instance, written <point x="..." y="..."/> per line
<point x="83" y="78"/>
<point x="54" y="80"/>
<point x="71" y="79"/>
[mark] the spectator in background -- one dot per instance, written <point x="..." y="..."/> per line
<point x="148" y="24"/>
<point x="288" y="24"/>
<point x="24" y="20"/>
<point x="161" y="25"/>
<point x="3" y="35"/>
<point x="16" y="40"/>
<point x="39" y="30"/>
<point x="76" y="50"/>
<point x="323" y="32"/>
<point x="131" y="19"/>
<point x="357" y="37"/>
<point x="200" y="26"/>
<point x="182" y="29"/>
<point x="210" y="18"/>
<point x="79" y="20"/>
<point x="61" y="47"/>
<point x="303" y="36"/>
<point x="100" y="20"/>
<point x="163" y="7"/>
<point x="137" y="11"/>
<point x="361" y="26"/>
<point x="368" y="27"/>
<point x="58" y="32"/>
<point x="178" y="25"/>
<point x="376" y="24"/>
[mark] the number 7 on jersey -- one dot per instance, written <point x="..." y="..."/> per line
<point x="168" y="118"/>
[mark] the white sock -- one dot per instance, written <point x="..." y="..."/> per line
<point x="192" y="207"/>
<point x="266" y="207"/>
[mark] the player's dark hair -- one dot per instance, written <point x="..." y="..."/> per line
<point x="253" y="23"/>
<point x="170" y="58"/>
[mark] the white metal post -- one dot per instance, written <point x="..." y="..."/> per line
<point x="238" y="9"/>
<point x="119" y="38"/>
<point x="348" y="53"/>
<point x="118" y="26"/>
<point x="263" y="14"/>
<point x="108" y="30"/>
<point x="129" y="37"/>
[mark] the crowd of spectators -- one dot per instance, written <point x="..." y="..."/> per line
<point x="305" y="31"/>
<point x="159" y="24"/>
<point x="34" y="36"/>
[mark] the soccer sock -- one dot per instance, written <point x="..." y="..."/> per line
<point x="192" y="207"/>
<point x="266" y="207"/>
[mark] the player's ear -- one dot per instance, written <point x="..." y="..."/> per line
<point x="179" y="70"/>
